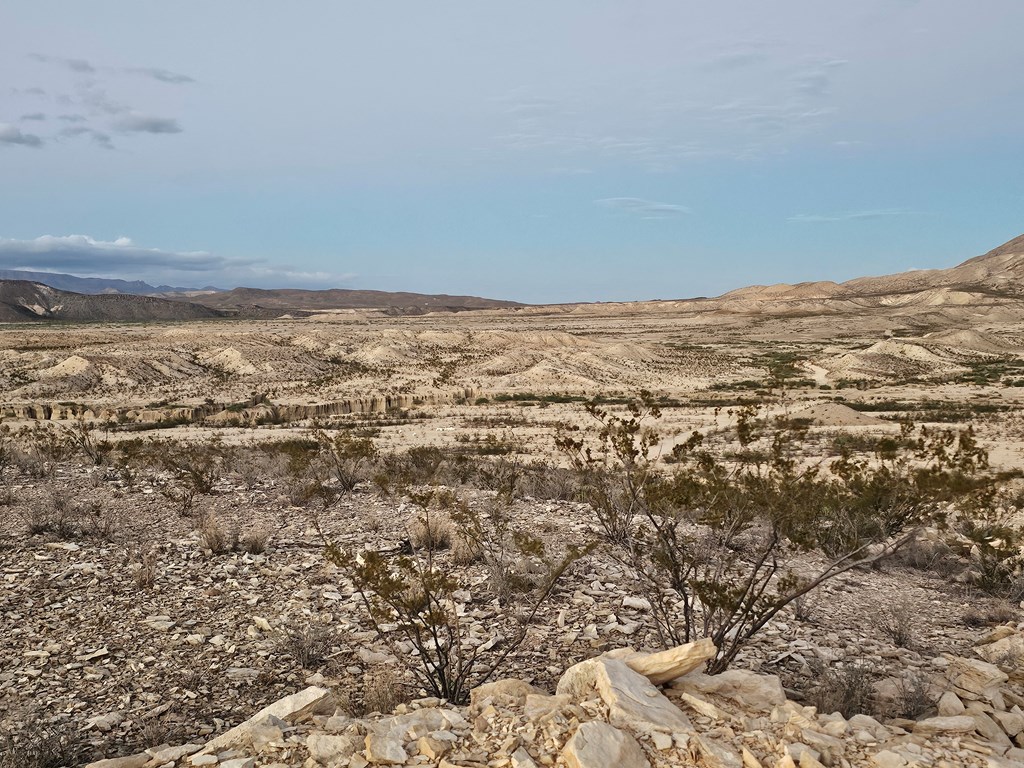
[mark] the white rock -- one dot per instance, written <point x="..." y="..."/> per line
<point x="291" y="709"/>
<point x="599" y="745"/>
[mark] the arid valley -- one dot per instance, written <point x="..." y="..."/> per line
<point x="401" y="528"/>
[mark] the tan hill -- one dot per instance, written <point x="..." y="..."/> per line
<point x="251" y="300"/>
<point x="993" y="278"/>
<point x="23" y="301"/>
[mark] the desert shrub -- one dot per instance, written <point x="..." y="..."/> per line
<point x="410" y="599"/>
<point x="430" y="530"/>
<point x="896" y="622"/>
<point x="309" y="646"/>
<point x="915" y="696"/>
<point x="255" y="541"/>
<point x="848" y="690"/>
<point x="615" y="474"/>
<point x="197" y="466"/>
<point x="42" y="744"/>
<point x="38" y="449"/>
<point x="708" y="542"/>
<point x="214" y="537"/>
<point x="382" y="691"/>
<point x="82" y="436"/>
<point x="66" y="519"/>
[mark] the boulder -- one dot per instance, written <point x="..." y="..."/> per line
<point x="945" y="725"/>
<point x="633" y="702"/>
<point x="132" y="761"/>
<point x="975" y="679"/>
<point x="599" y="745"/>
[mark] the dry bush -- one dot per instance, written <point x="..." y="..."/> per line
<point x="308" y="646"/>
<point x="40" y="744"/>
<point x="464" y="549"/>
<point x="255" y="541"/>
<point x="382" y="691"/>
<point x="431" y="531"/>
<point x="214" y="538"/>
<point x="146" y="568"/>
<point x="57" y="515"/>
<point x="848" y="690"/>
<point x="914" y="696"/>
<point x="896" y="622"/>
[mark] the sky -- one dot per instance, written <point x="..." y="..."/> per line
<point x="554" y="151"/>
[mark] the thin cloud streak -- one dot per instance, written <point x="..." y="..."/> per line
<point x="645" y="209"/>
<point x="814" y="218"/>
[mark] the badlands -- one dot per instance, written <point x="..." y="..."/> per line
<point x="336" y="536"/>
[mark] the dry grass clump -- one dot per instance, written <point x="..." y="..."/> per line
<point x="215" y="538"/>
<point x="848" y="690"/>
<point x="382" y="691"/>
<point x="39" y="744"/>
<point x="896" y="622"/>
<point x="915" y="696"/>
<point x="309" y="646"/>
<point x="255" y="541"/>
<point x="465" y="550"/>
<point x="68" y="520"/>
<point x="433" y="532"/>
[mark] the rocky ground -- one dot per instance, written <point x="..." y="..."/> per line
<point x="608" y="711"/>
<point x="131" y="632"/>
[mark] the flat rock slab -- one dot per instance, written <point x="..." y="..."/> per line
<point x="291" y="709"/>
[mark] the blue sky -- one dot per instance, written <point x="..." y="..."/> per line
<point x="568" y="151"/>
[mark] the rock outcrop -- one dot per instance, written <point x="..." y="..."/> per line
<point x="629" y="710"/>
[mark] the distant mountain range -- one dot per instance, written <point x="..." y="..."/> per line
<point x="92" y="285"/>
<point x="25" y="301"/>
<point x="991" y="285"/>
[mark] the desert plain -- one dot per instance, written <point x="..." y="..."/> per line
<point x="169" y="553"/>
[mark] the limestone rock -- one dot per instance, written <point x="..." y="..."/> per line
<point x="328" y="748"/>
<point x="290" y="709"/>
<point x="748" y="689"/>
<point x="385" y="747"/>
<point x="632" y="700"/>
<point x="599" y="745"/>
<point x="945" y="725"/>
<point x="664" y="666"/>
<point x="975" y="679"/>
<point x="950" y="705"/>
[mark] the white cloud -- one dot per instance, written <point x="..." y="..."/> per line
<point x="87" y="256"/>
<point x="645" y="209"/>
